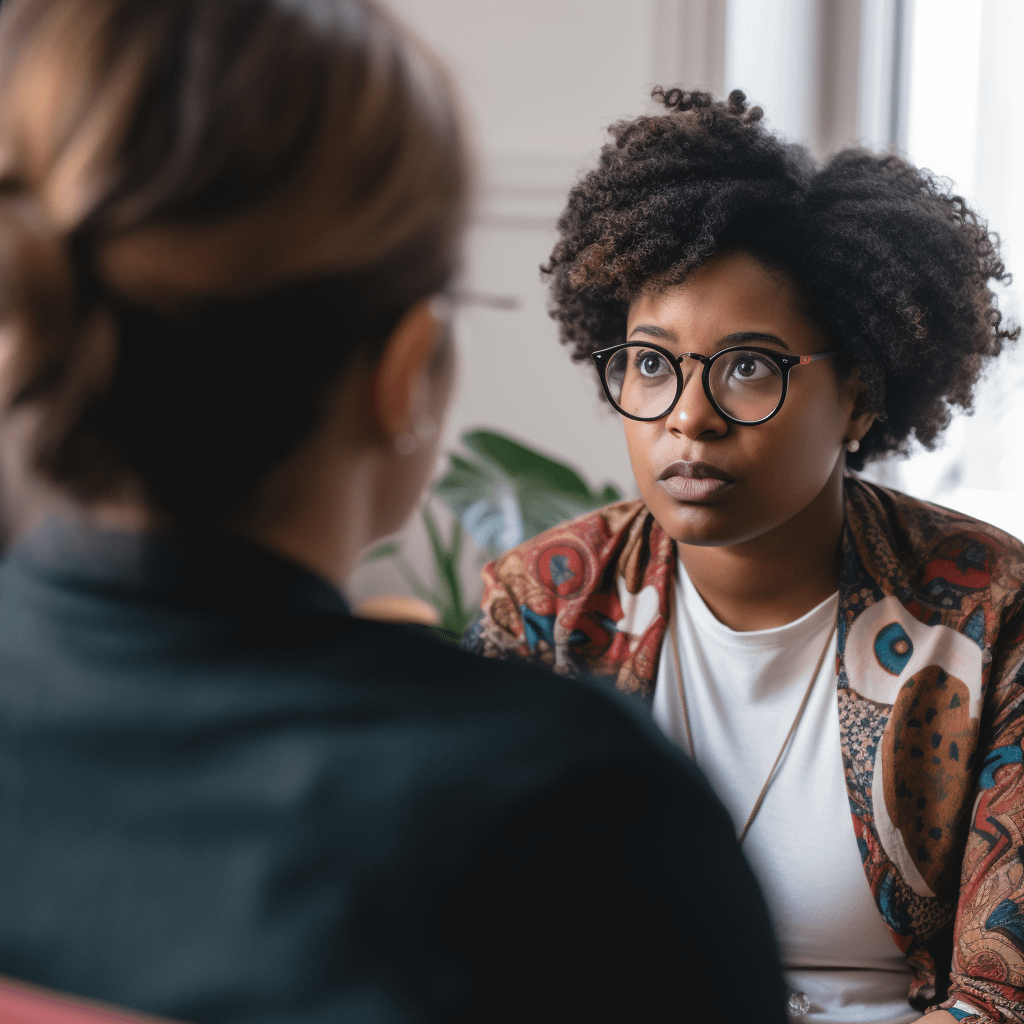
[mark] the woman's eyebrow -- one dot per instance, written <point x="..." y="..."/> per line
<point x="746" y="337"/>
<point x="653" y="331"/>
<point x="737" y="338"/>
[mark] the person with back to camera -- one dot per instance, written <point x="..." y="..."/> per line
<point x="226" y="232"/>
<point x="825" y="648"/>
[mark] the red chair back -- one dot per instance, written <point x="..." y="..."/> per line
<point x="21" y="1003"/>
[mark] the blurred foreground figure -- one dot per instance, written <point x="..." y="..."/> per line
<point x="225" y="235"/>
<point x="30" y="1004"/>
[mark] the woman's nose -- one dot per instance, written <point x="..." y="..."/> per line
<point x="693" y="414"/>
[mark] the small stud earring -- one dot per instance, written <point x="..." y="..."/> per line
<point x="853" y="446"/>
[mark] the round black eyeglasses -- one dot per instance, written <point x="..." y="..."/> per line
<point x="745" y="385"/>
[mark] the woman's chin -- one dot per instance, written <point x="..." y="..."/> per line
<point x="699" y="525"/>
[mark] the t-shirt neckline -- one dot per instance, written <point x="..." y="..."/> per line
<point x="797" y="632"/>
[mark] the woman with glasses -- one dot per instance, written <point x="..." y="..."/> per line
<point x="843" y="662"/>
<point x="227" y="230"/>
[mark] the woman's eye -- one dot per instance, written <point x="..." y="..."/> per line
<point x="749" y="367"/>
<point x="651" y="364"/>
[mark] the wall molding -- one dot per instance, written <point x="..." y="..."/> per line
<point x="526" y="190"/>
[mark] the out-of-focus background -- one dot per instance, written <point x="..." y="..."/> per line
<point x="938" y="80"/>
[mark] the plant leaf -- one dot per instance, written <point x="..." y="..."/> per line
<point x="416" y="585"/>
<point x="388" y="549"/>
<point x="495" y="522"/>
<point x="506" y="492"/>
<point x="523" y="463"/>
<point x="448" y="599"/>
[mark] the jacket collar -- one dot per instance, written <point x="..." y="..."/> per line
<point x="195" y="569"/>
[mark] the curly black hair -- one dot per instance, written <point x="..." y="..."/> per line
<point x="892" y="266"/>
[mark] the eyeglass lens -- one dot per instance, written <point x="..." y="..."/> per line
<point x="746" y="385"/>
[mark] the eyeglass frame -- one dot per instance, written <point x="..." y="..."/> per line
<point x="784" y="362"/>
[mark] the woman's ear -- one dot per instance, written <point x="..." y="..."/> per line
<point x="861" y="417"/>
<point x="401" y="381"/>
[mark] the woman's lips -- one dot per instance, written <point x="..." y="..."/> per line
<point x="694" y="481"/>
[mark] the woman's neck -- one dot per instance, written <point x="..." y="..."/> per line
<point x="776" y="577"/>
<point x="316" y="509"/>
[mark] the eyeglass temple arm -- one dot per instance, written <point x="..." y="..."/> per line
<point x="803" y="359"/>
<point x="819" y="355"/>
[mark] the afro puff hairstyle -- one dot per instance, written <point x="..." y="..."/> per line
<point x="891" y="266"/>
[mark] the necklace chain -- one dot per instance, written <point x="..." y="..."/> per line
<point x="789" y="735"/>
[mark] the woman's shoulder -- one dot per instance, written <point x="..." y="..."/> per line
<point x="919" y="527"/>
<point x="570" y="558"/>
<point x="569" y="562"/>
<point x="593" y="528"/>
<point x="499" y="712"/>
<point x="946" y="564"/>
<point x="588" y="596"/>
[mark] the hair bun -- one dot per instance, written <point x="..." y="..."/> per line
<point x="58" y="350"/>
<point x="706" y="106"/>
<point x="682" y="99"/>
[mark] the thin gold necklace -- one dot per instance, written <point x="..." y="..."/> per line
<point x="789" y="735"/>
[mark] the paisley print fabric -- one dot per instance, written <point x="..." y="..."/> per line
<point x="931" y="707"/>
<point x="590" y="596"/>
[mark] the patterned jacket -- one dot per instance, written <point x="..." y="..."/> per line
<point x="931" y="706"/>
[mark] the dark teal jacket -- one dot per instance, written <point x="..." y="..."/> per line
<point x="225" y="799"/>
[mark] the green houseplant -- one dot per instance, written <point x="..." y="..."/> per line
<point x="500" y="492"/>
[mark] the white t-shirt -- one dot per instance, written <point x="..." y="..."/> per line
<point x="743" y="691"/>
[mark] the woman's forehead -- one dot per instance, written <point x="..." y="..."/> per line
<point x="730" y="293"/>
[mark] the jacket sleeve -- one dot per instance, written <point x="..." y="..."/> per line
<point x="987" y="974"/>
